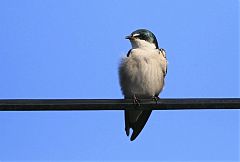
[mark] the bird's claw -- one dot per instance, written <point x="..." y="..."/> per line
<point x="156" y="99"/>
<point x="136" y="100"/>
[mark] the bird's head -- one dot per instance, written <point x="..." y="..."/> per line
<point x="143" y="38"/>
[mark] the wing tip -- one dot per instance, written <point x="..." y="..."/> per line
<point x="134" y="135"/>
<point x="139" y="125"/>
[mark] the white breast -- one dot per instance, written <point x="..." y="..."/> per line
<point x="142" y="73"/>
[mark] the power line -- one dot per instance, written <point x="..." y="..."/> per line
<point x="118" y="104"/>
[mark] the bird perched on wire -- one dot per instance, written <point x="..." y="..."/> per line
<point x="141" y="75"/>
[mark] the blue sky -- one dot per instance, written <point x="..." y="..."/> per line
<point x="71" y="49"/>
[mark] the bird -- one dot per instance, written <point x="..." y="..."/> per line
<point x="141" y="76"/>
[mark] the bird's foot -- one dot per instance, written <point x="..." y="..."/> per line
<point x="136" y="100"/>
<point x="156" y="99"/>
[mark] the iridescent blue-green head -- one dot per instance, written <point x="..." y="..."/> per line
<point x="143" y="38"/>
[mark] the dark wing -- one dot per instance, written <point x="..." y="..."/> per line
<point x="140" y="123"/>
<point x="163" y="53"/>
<point x="136" y="120"/>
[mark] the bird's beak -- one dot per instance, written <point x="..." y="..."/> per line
<point x="129" y="37"/>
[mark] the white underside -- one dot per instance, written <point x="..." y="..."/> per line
<point x="142" y="73"/>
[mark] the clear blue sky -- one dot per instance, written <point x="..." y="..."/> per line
<point x="71" y="49"/>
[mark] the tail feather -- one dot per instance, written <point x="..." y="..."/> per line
<point x="139" y="123"/>
<point x="127" y="126"/>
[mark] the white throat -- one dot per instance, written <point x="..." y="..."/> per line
<point x="138" y="43"/>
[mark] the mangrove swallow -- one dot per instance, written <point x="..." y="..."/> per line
<point x="141" y="75"/>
